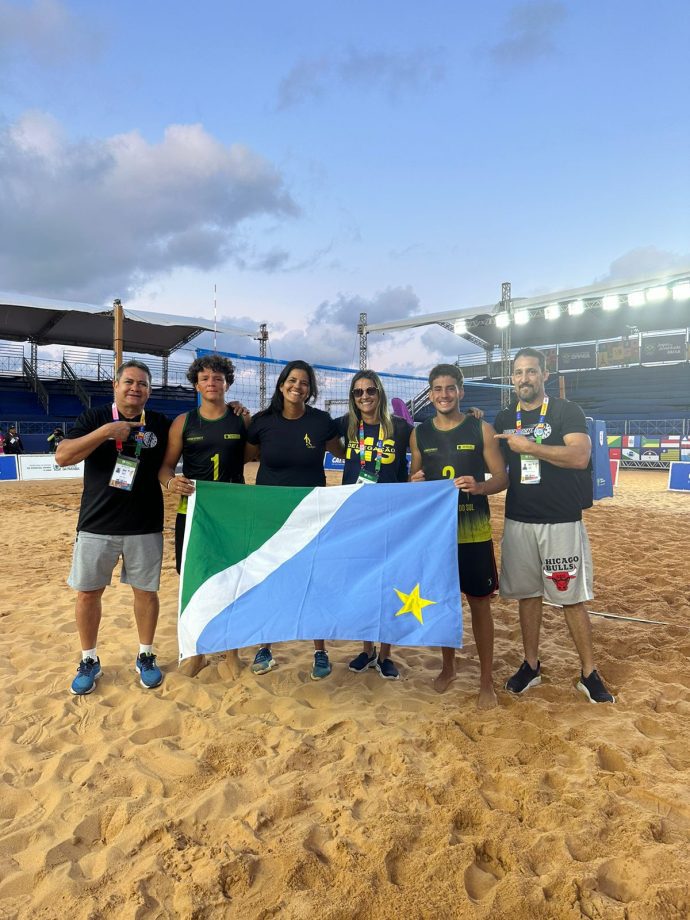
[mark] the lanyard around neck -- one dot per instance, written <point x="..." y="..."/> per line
<point x="362" y="448"/>
<point x="139" y="435"/>
<point x="539" y="427"/>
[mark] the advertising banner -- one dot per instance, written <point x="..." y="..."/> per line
<point x="679" y="477"/>
<point x="601" y="466"/>
<point x="577" y="357"/>
<point x="8" y="468"/>
<point x="657" y="348"/>
<point x="614" y="464"/>
<point x="333" y="463"/>
<point x="551" y="355"/>
<point x="620" y="352"/>
<point x="43" y="466"/>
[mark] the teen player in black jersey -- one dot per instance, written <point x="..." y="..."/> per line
<point x="461" y="447"/>
<point x="211" y="441"/>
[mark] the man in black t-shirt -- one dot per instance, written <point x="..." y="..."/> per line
<point x="121" y="515"/>
<point x="545" y="549"/>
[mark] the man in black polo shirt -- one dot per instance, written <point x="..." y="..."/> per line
<point x="121" y="515"/>
<point x="545" y="549"/>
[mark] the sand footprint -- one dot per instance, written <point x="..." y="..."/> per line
<point x="622" y="879"/>
<point x="611" y="760"/>
<point x="484" y="873"/>
<point x="652" y="729"/>
<point x="238" y="875"/>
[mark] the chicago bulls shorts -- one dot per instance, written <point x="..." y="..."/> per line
<point x="549" y="560"/>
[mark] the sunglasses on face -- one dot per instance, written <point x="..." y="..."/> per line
<point x="358" y="392"/>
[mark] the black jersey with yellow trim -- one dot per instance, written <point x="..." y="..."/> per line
<point x="458" y="451"/>
<point x="213" y="449"/>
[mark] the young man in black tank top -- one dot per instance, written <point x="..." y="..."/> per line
<point x="461" y="447"/>
<point x="211" y="441"/>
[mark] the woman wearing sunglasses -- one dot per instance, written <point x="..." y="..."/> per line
<point x="376" y="451"/>
<point x="292" y="438"/>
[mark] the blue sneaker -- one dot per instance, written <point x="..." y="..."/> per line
<point x="150" y="674"/>
<point x="363" y="661"/>
<point x="88" y="673"/>
<point x="321" y="667"/>
<point x="387" y="669"/>
<point x="594" y="688"/>
<point x="263" y="661"/>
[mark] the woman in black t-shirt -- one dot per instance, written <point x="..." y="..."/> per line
<point x="376" y="451"/>
<point x="292" y="438"/>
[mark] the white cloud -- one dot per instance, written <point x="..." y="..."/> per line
<point x="642" y="261"/>
<point x="330" y="336"/>
<point x="94" y="219"/>
<point x="45" y="32"/>
<point x="530" y="33"/>
<point x="390" y="73"/>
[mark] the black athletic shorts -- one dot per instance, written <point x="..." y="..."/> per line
<point x="477" y="568"/>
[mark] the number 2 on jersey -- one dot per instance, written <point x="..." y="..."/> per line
<point x="448" y="472"/>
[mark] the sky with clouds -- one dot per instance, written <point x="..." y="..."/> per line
<point x="318" y="160"/>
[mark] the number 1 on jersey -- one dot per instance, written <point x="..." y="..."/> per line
<point x="215" y="460"/>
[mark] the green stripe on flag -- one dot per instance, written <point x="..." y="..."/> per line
<point x="243" y="519"/>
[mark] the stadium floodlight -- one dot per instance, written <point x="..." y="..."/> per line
<point x="576" y="308"/>
<point x="521" y="317"/>
<point x="637" y="299"/>
<point x="657" y="294"/>
<point x="502" y="320"/>
<point x="610" y="302"/>
<point x="553" y="311"/>
<point x="460" y="326"/>
<point x="681" y="291"/>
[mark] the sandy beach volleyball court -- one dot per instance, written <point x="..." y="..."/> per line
<point x="354" y="797"/>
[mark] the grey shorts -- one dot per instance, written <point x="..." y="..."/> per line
<point x="96" y="555"/>
<point x="546" y="560"/>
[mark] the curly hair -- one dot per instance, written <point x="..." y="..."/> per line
<point x="216" y="363"/>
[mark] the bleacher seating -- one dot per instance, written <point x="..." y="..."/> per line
<point x="17" y="400"/>
<point x="618" y="396"/>
<point x="638" y="392"/>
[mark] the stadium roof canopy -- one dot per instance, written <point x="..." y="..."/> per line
<point x="45" y="321"/>
<point x="586" y="314"/>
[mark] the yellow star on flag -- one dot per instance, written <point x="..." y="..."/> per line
<point x="412" y="603"/>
